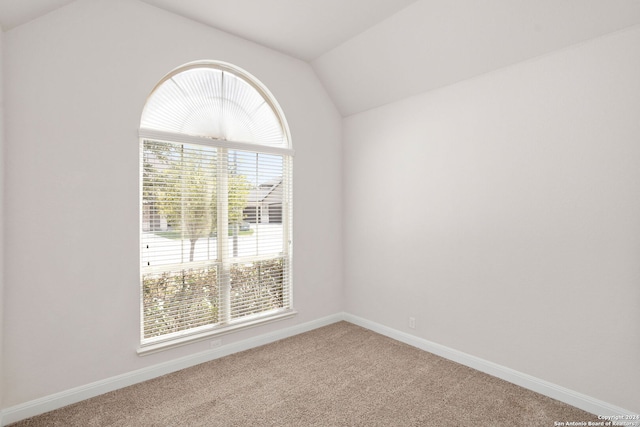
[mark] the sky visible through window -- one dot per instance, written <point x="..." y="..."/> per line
<point x="259" y="168"/>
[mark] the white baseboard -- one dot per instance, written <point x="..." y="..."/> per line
<point x="529" y="382"/>
<point x="68" y="397"/>
<point x="74" y="395"/>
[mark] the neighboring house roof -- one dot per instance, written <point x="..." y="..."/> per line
<point x="267" y="190"/>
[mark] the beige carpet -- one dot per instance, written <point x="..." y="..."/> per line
<point x="338" y="375"/>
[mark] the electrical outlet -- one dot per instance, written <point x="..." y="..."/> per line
<point x="412" y="322"/>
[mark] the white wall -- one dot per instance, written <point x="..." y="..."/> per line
<point x="75" y="84"/>
<point x="502" y="213"/>
<point x="2" y="168"/>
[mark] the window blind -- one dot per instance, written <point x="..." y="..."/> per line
<point x="215" y="247"/>
<point x="216" y="213"/>
<point x="216" y="103"/>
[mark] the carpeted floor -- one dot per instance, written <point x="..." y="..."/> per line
<point x="338" y="375"/>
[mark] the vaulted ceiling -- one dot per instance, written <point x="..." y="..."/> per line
<point x="371" y="52"/>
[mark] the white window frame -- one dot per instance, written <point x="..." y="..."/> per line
<point x="226" y="325"/>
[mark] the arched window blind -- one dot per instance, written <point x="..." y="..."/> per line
<point x="216" y="165"/>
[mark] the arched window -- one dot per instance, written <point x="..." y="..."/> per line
<point x="216" y="164"/>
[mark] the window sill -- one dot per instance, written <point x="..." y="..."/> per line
<point x="155" y="347"/>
